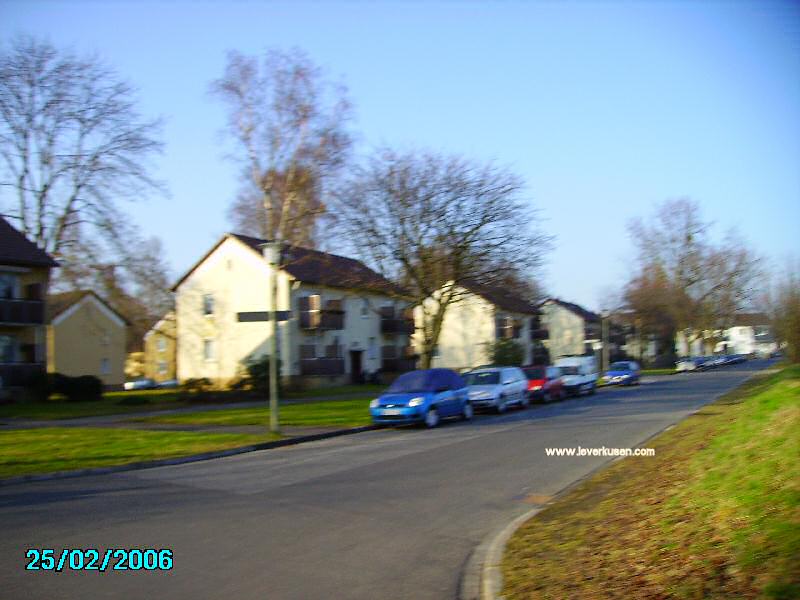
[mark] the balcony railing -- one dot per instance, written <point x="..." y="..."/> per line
<point x="325" y="319"/>
<point x="18" y="374"/>
<point x="21" y="312"/>
<point x="322" y="366"/>
<point x="398" y="365"/>
<point x="393" y="326"/>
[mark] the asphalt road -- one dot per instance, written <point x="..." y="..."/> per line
<point x="383" y="514"/>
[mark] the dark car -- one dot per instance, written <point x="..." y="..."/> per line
<point x="544" y="383"/>
<point x="423" y="396"/>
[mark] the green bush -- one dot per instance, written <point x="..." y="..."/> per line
<point x="41" y="386"/>
<point x="506" y="352"/>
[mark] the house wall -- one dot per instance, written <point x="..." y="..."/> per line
<point x="82" y="338"/>
<point x="566" y="330"/>
<point x="237" y="278"/>
<point x="160" y="345"/>
<point x="468" y="330"/>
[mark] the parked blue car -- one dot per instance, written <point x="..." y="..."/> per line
<point x="424" y="396"/>
<point x="624" y="372"/>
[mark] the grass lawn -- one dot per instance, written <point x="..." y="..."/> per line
<point x="658" y="371"/>
<point x="716" y="514"/>
<point x="352" y="412"/>
<point x="148" y="400"/>
<point x="30" y="451"/>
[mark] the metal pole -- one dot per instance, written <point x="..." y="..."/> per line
<point x="604" y="333"/>
<point x="272" y="250"/>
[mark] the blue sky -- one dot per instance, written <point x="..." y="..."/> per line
<point x="603" y="107"/>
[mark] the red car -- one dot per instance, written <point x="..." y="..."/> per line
<point x="544" y="383"/>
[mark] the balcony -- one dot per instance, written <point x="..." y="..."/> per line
<point x="396" y="326"/>
<point x="398" y="365"/>
<point x="18" y="374"/>
<point x="322" y="366"/>
<point x="322" y="320"/>
<point x="21" y="312"/>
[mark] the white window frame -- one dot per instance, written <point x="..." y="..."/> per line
<point x="209" y="343"/>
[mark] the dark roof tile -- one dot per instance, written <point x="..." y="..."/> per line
<point x="16" y="249"/>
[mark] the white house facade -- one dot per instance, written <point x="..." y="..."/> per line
<point x="338" y="320"/>
<point x="478" y="318"/>
<point x="571" y="329"/>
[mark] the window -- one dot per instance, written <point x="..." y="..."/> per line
<point x="105" y="367"/>
<point x="8" y="349"/>
<point x="209" y="351"/>
<point x="8" y="286"/>
<point x="208" y="304"/>
<point x="105" y="338"/>
<point x="365" y="309"/>
<point x="372" y="354"/>
<point x="161" y="344"/>
<point x="162" y="367"/>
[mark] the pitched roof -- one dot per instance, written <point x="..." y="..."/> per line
<point x="501" y="298"/>
<point x="314" y="266"/>
<point x="16" y="249"/>
<point x="60" y="303"/>
<point x="586" y="315"/>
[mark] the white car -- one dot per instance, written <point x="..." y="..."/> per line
<point x="578" y="374"/>
<point x="497" y="388"/>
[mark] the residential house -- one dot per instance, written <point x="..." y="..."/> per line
<point x="749" y="334"/>
<point x="338" y="320"/>
<point x="160" y="350"/>
<point x="86" y="336"/>
<point x="479" y="317"/>
<point x="571" y="329"/>
<point x="24" y="279"/>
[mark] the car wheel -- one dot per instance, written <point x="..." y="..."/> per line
<point x="500" y="407"/>
<point x="466" y="414"/>
<point x="592" y="389"/>
<point x="547" y="397"/>
<point x="431" y="418"/>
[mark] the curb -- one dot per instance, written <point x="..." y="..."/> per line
<point x="482" y="577"/>
<point x="149" y="464"/>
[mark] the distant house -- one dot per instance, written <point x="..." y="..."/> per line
<point x="160" y="350"/>
<point x="481" y="316"/>
<point x="338" y="320"/>
<point x="572" y="330"/>
<point x="85" y="336"/>
<point x="749" y="334"/>
<point x="24" y="279"/>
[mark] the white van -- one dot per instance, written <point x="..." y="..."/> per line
<point x="578" y="374"/>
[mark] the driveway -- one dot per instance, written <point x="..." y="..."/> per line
<point x="384" y="514"/>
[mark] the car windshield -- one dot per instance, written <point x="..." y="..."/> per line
<point x="569" y="370"/>
<point x="534" y="373"/>
<point x="416" y="381"/>
<point x="485" y="378"/>
<point x="619" y="366"/>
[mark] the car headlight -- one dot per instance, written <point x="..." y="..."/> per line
<point x="536" y="388"/>
<point x="374" y="403"/>
<point x="416" y="401"/>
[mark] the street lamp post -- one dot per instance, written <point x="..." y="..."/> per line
<point x="271" y="252"/>
<point x="604" y="338"/>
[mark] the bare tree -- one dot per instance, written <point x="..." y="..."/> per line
<point x="783" y="304"/>
<point x="290" y="129"/>
<point x="436" y="224"/>
<point x="686" y="282"/>
<point x="71" y="143"/>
